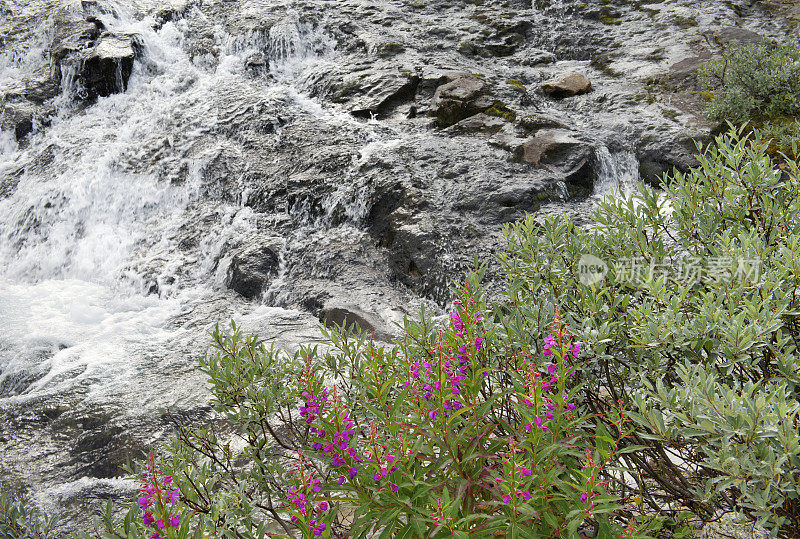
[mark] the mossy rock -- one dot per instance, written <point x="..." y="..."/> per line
<point x="500" y="110"/>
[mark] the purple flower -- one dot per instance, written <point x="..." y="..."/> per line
<point x="584" y="496"/>
<point x="145" y="501"/>
<point x="432" y="414"/>
<point x="570" y="406"/>
<point x="457" y="322"/>
<point x="550" y="406"/>
<point x="319" y="529"/>
<point x="506" y="498"/>
<point x="323" y="506"/>
<point x="479" y="343"/>
<point x="546" y="386"/>
<point x="575" y="349"/>
<point x="377" y="476"/>
<point x="174" y="496"/>
<point x="341" y="480"/>
<point x="549" y="415"/>
<point x="175" y="520"/>
<point x="148" y="519"/>
<point x="160" y="524"/>
<point x="528" y="427"/>
<point x="155" y="536"/>
<point x="526" y="495"/>
<point x="353" y="472"/>
<point x="552" y="368"/>
<point x="526" y="472"/>
<point x="538" y="421"/>
<point x="393" y="486"/>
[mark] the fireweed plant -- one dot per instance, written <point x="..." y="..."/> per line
<point x="454" y="431"/>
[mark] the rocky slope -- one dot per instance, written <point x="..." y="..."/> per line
<point x="313" y="160"/>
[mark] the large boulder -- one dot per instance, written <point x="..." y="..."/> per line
<point x="567" y="85"/>
<point x="463" y="96"/>
<point x="339" y="313"/>
<point x="376" y="94"/>
<point x="551" y="146"/>
<point x="252" y="269"/>
<point x="18" y="118"/>
<point x="108" y="65"/>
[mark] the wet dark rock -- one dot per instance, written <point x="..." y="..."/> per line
<point x="553" y="146"/>
<point x="464" y="96"/>
<point x="480" y="123"/>
<point x="662" y="157"/>
<point x="18" y="117"/>
<point x="734" y="34"/>
<point x="377" y="94"/>
<point x="567" y="85"/>
<point x="337" y="313"/>
<point x="108" y="65"/>
<point x="251" y="270"/>
<point x="534" y="122"/>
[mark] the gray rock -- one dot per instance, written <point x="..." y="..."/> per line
<point x="18" y="117"/>
<point x="378" y="94"/>
<point x="338" y="313"/>
<point x="461" y="98"/>
<point x="108" y="65"/>
<point x="567" y="85"/>
<point x="252" y="269"/>
<point x="480" y="123"/>
<point x="551" y="146"/>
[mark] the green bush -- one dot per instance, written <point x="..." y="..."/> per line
<point x="701" y="344"/>
<point x="753" y="82"/>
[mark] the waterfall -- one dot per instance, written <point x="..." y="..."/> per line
<point x="617" y="172"/>
<point x="104" y="302"/>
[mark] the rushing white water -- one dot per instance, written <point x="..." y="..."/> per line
<point x="618" y="172"/>
<point x="100" y="306"/>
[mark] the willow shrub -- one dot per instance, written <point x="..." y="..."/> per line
<point x="756" y="85"/>
<point x="693" y="328"/>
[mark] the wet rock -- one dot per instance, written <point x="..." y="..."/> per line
<point x="251" y="270"/>
<point x="18" y="117"/>
<point x="377" y="94"/>
<point x="734" y="34"/>
<point x="658" y="156"/>
<point x="338" y="313"/>
<point x="534" y="122"/>
<point x="552" y="146"/>
<point x="567" y="85"/>
<point x="480" y="123"/>
<point x="460" y="98"/>
<point x="108" y="65"/>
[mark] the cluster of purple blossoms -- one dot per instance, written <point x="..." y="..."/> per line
<point x="301" y="499"/>
<point x="313" y="405"/>
<point x="157" y="500"/>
